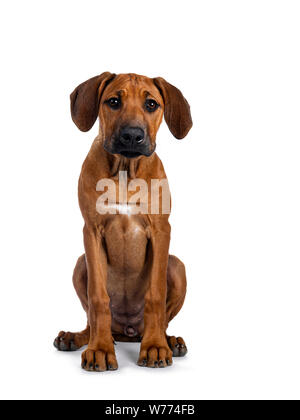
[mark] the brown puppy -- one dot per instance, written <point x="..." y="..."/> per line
<point x="128" y="284"/>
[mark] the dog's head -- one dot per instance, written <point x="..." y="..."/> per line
<point x="130" y="108"/>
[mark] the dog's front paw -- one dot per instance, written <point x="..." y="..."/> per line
<point x="98" y="360"/>
<point x="155" y="355"/>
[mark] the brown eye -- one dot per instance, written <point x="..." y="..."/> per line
<point x="151" y="105"/>
<point x="114" y="103"/>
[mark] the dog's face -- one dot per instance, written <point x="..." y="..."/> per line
<point x="130" y="108"/>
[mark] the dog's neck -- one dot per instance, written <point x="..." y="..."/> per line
<point x="120" y="163"/>
<point x="117" y="163"/>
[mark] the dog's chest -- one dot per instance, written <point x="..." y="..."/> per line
<point x="126" y="241"/>
<point x="126" y="244"/>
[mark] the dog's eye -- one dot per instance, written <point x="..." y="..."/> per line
<point x="114" y="103"/>
<point x="151" y="105"/>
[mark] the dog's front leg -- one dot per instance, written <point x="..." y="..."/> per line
<point x="100" y="354"/>
<point x="155" y="351"/>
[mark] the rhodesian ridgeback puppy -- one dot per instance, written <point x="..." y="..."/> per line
<point x="128" y="284"/>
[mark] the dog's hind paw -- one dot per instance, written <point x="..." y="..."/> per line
<point x="177" y="345"/>
<point x="70" y="341"/>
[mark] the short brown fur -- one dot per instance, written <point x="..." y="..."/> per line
<point x="128" y="284"/>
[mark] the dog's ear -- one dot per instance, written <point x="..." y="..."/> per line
<point x="177" y="110"/>
<point x="85" y="100"/>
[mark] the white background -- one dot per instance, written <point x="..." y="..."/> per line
<point x="234" y="182"/>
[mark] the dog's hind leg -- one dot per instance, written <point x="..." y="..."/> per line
<point x="176" y="281"/>
<point x="74" y="341"/>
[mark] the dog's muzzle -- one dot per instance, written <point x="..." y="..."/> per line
<point x="130" y="142"/>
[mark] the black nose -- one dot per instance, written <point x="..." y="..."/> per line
<point x="131" y="136"/>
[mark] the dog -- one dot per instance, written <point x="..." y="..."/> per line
<point x="128" y="284"/>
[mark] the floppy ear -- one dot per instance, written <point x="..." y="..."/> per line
<point x="85" y="100"/>
<point x="177" y="110"/>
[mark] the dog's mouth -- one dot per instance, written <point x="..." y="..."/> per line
<point x="114" y="147"/>
<point x="130" y="154"/>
